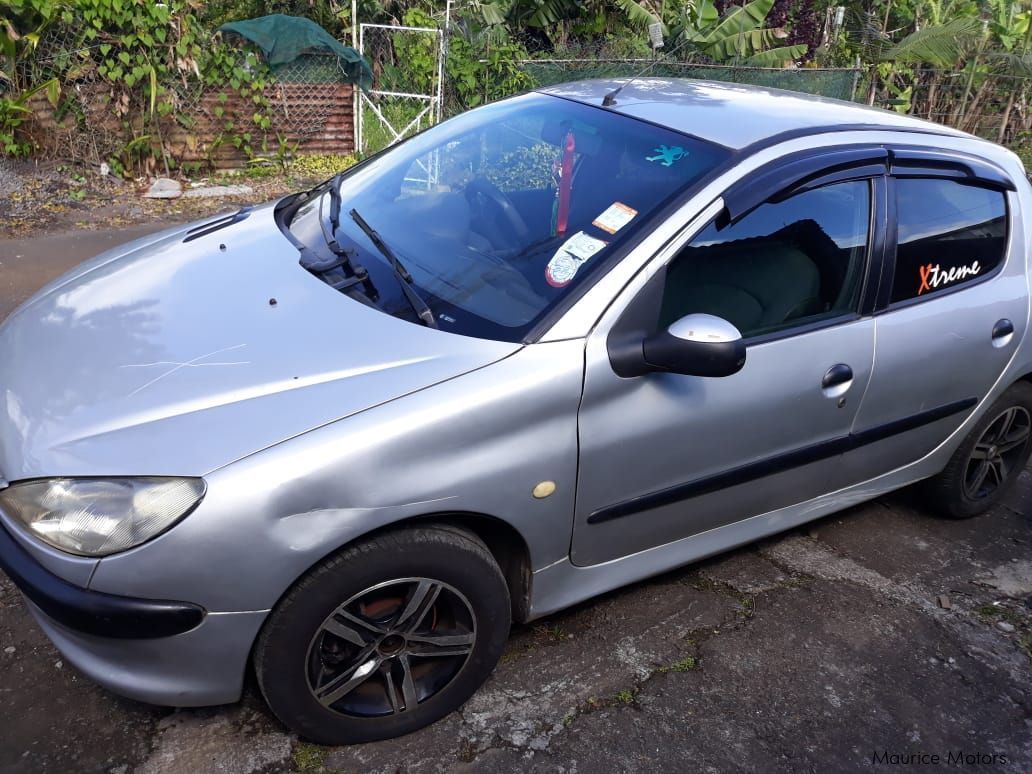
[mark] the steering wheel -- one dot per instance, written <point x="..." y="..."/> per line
<point x="493" y="194"/>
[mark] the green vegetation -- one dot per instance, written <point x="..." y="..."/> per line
<point x="994" y="613"/>
<point x="966" y="63"/>
<point x="685" y="664"/>
<point x="626" y="696"/>
<point x="552" y="633"/>
<point x="308" y="758"/>
<point x="138" y="61"/>
<point x="320" y="166"/>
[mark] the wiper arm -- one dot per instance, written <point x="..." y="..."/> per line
<point x="355" y="273"/>
<point x="335" y="202"/>
<point x="404" y="278"/>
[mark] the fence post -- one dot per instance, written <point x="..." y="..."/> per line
<point x="355" y="88"/>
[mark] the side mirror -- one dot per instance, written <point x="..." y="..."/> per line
<point x="696" y="345"/>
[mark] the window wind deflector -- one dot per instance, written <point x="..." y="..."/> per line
<point x="800" y="171"/>
<point x="914" y="162"/>
<point x="219" y="223"/>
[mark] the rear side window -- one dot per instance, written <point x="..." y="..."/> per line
<point x="950" y="234"/>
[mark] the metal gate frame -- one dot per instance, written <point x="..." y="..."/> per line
<point x="434" y="99"/>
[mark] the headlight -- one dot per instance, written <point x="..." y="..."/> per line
<point x="97" y="517"/>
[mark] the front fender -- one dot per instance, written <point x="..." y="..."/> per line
<point x="478" y="443"/>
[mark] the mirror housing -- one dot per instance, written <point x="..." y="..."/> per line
<point x="696" y="345"/>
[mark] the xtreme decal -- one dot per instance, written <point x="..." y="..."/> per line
<point x="933" y="276"/>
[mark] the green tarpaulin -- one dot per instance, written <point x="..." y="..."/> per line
<point x="284" y="38"/>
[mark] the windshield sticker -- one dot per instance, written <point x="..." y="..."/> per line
<point x="933" y="276"/>
<point x="616" y="216"/>
<point x="568" y="259"/>
<point x="667" y="155"/>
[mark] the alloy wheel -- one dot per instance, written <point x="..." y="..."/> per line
<point x="390" y="647"/>
<point x="997" y="452"/>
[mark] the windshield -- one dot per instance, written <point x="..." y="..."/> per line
<point x="499" y="212"/>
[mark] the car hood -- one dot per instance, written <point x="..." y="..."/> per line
<point x="173" y="357"/>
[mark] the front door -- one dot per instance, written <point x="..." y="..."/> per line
<point x="665" y="456"/>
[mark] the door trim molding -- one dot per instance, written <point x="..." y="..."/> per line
<point x="778" y="463"/>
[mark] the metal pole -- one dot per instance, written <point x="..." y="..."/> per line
<point x="856" y="80"/>
<point x="355" y="88"/>
<point x="444" y="56"/>
<point x="358" y="124"/>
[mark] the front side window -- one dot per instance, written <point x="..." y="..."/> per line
<point x="786" y="263"/>
<point x="498" y="213"/>
<point x="949" y="234"/>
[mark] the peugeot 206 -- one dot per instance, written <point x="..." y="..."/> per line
<point x="545" y="348"/>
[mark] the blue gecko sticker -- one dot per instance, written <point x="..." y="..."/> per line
<point x="666" y="155"/>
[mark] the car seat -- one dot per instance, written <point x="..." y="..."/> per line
<point x="755" y="284"/>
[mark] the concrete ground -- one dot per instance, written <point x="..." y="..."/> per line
<point x="881" y="631"/>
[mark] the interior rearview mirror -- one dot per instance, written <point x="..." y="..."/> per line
<point x="696" y="345"/>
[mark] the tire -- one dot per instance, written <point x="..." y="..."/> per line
<point x="957" y="492"/>
<point x="393" y="633"/>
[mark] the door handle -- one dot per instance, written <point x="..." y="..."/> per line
<point x="837" y="380"/>
<point x="1003" y="332"/>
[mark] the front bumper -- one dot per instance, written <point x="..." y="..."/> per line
<point x="199" y="668"/>
<point x="156" y="651"/>
<point x="93" y="612"/>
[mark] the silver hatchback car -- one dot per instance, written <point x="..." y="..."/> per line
<point x="546" y="348"/>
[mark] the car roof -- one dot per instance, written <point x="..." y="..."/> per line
<point x="736" y="115"/>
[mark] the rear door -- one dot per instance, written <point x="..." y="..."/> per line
<point x="952" y="307"/>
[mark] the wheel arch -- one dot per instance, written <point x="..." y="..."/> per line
<point x="505" y="543"/>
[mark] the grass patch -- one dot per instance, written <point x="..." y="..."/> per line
<point x="321" y="165"/>
<point x="260" y="171"/>
<point x="553" y="633"/>
<point x="511" y="654"/>
<point x="467" y="751"/>
<point x="747" y="605"/>
<point x="993" y="613"/>
<point x="308" y="758"/>
<point x="626" y="696"/>
<point x="685" y="664"/>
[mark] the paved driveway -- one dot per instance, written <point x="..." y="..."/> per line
<point x="878" y="632"/>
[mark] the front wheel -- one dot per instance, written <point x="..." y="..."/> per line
<point x="989" y="461"/>
<point x="386" y="637"/>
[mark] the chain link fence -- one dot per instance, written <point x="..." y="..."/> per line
<point x="312" y="109"/>
<point x="407" y="84"/>
<point x="84" y="126"/>
<point x="308" y="101"/>
<point x="994" y="106"/>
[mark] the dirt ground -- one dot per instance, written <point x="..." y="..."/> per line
<point x="46" y="197"/>
<point x="881" y="631"/>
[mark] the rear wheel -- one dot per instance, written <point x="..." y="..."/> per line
<point x="989" y="461"/>
<point x="385" y="637"/>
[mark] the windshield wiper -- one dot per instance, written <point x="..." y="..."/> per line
<point x="355" y="273"/>
<point x="404" y="278"/>
<point x="335" y="202"/>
